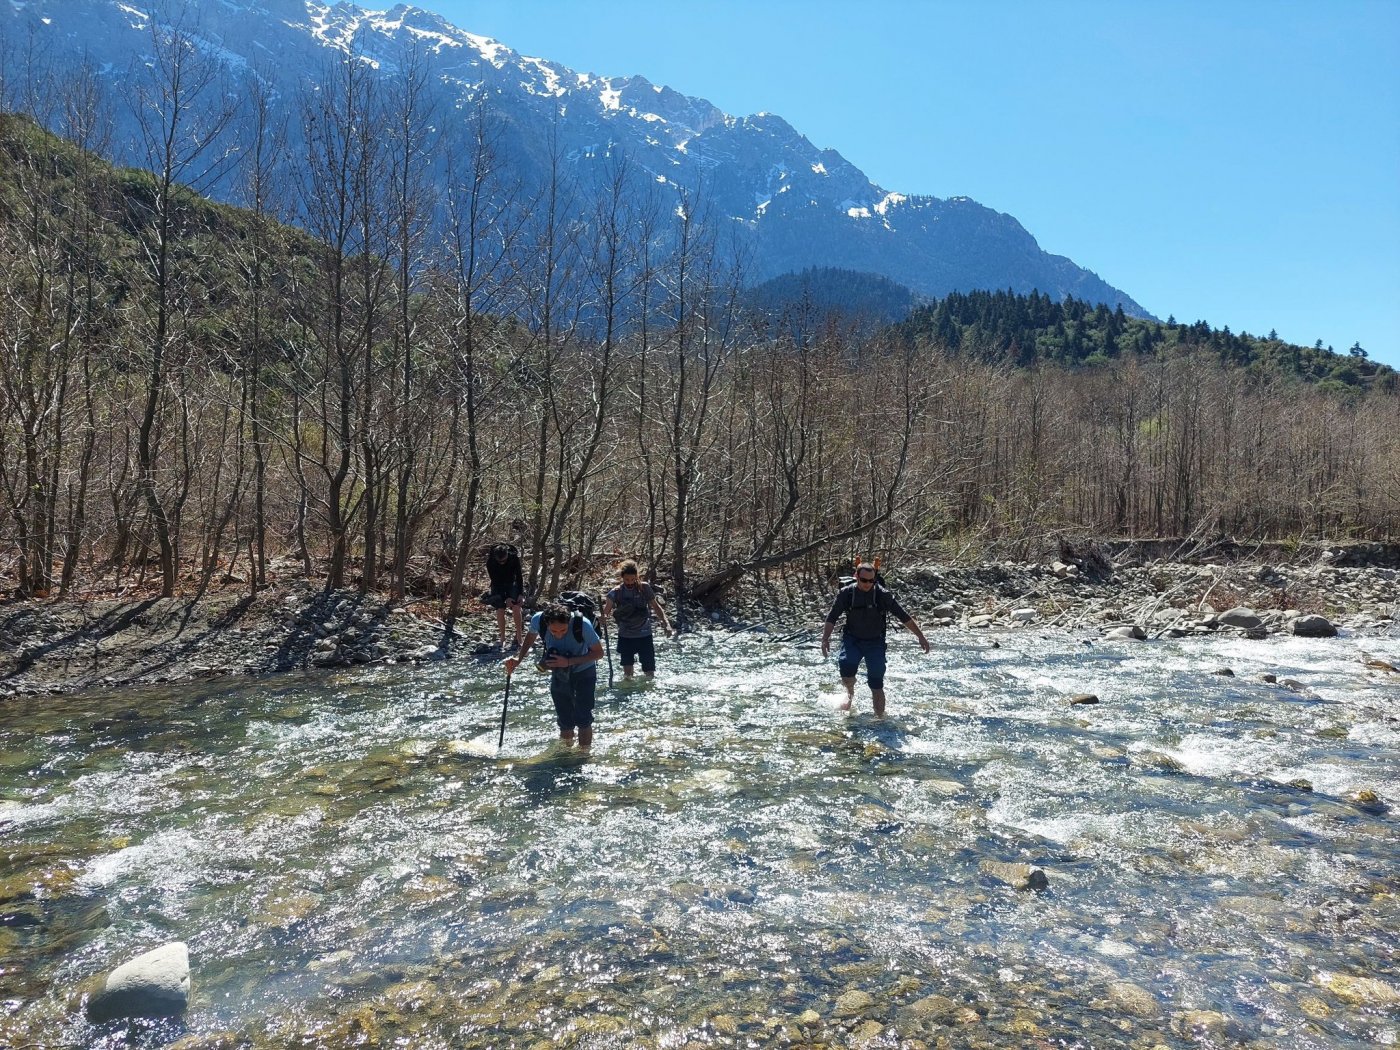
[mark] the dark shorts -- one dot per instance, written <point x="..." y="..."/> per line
<point x="628" y="649"/>
<point x="573" y="693"/>
<point x="497" y="600"/>
<point x="871" y="650"/>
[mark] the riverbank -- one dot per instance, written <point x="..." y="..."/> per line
<point x="63" y="647"/>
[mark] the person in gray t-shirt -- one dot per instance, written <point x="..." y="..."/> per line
<point x="632" y="604"/>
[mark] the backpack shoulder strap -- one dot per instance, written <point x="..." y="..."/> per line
<point x="576" y="621"/>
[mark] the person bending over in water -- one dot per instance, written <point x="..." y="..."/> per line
<point x="572" y="650"/>
<point x="632" y="604"/>
<point x="867" y="606"/>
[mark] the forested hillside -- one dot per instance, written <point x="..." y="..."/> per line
<point x="843" y="297"/>
<point x="192" y="393"/>
<point x="1026" y="329"/>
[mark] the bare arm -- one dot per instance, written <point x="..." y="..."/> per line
<point x="526" y="644"/>
<point x="660" y="611"/>
<point x="911" y="626"/>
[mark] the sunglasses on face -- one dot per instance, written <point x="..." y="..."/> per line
<point x="865" y="579"/>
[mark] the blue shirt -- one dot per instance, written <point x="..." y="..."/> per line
<point x="568" y="645"/>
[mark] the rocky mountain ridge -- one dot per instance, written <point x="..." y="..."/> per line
<point x="795" y="205"/>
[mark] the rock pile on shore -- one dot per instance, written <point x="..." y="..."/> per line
<point x="65" y="647"/>
<point x="1148" y="601"/>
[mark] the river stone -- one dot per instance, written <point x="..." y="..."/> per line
<point x="866" y="1033"/>
<point x="1224" y="672"/>
<point x="1244" y="618"/>
<point x="1158" y="760"/>
<point x="1023" y="615"/>
<point x="1314" y="627"/>
<point x="1079" y="699"/>
<point x="1017" y="876"/>
<point x="853" y="1003"/>
<point x="154" y="984"/>
<point x="208" y="1041"/>
<point x="1133" y="633"/>
<point x="1381" y="665"/>
<point x="1367" y="800"/>
<point x="1133" y="999"/>
<point x="1200" y="1025"/>
<point x="933" y="1008"/>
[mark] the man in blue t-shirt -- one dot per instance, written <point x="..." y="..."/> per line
<point x="572" y="650"/>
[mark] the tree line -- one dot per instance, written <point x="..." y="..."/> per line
<point x="194" y="393"/>
<point x="1030" y="329"/>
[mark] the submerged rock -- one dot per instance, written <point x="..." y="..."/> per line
<point x="1158" y="760"/>
<point x="1361" y="991"/>
<point x="154" y="984"/>
<point x="1079" y="699"/>
<point x="853" y="1003"/>
<point x="1133" y="999"/>
<point x="1017" y="876"/>
<point x="933" y="1008"/>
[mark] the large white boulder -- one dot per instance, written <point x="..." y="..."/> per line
<point x="155" y="984"/>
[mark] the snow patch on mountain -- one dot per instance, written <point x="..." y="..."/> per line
<point x="142" y="19"/>
<point x="815" y="207"/>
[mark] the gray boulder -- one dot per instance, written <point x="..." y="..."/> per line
<point x="1133" y="633"/>
<point x="1244" y="619"/>
<point x="155" y="984"/>
<point x="1314" y="627"/>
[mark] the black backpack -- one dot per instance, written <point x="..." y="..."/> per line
<point x="583" y="607"/>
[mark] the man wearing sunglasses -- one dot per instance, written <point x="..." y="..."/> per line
<point x="867" y="606"/>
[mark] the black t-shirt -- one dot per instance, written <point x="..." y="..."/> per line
<point x="507" y="578"/>
<point x="865" y="613"/>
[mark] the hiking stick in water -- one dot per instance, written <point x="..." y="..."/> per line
<point x="607" y="648"/>
<point x="505" y="702"/>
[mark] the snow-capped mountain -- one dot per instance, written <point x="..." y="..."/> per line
<point x="797" y="205"/>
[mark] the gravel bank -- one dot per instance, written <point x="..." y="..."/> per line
<point x="71" y="646"/>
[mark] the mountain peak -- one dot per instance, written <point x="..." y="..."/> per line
<point x="803" y="206"/>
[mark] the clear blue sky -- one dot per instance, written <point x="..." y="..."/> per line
<point x="1236" y="162"/>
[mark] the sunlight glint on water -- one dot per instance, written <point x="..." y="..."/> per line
<point x="348" y="851"/>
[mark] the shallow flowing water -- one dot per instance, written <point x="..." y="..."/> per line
<point x="736" y="863"/>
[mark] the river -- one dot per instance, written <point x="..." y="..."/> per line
<point x="736" y="863"/>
